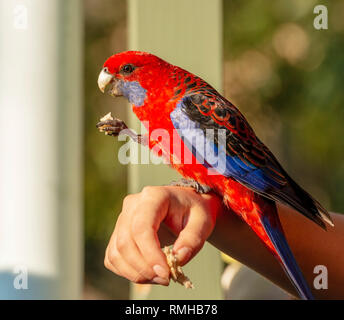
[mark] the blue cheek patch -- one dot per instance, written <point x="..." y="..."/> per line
<point x="133" y="91"/>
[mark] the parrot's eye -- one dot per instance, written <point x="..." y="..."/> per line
<point x="127" y="69"/>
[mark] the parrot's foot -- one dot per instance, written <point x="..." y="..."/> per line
<point x="200" y="188"/>
<point x="112" y="127"/>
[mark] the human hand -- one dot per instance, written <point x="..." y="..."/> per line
<point x="155" y="217"/>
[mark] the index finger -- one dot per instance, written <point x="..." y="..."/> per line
<point x="153" y="208"/>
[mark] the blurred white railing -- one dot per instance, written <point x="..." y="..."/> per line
<point x="40" y="149"/>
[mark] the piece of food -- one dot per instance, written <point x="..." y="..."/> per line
<point x="177" y="273"/>
<point x="107" y="117"/>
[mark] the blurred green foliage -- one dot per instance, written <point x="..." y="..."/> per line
<point x="284" y="75"/>
<point x="299" y="103"/>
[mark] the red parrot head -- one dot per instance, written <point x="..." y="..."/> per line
<point x="133" y="74"/>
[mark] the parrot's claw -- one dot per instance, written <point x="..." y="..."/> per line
<point x="111" y="131"/>
<point x="199" y="188"/>
<point x="112" y="127"/>
<point x="115" y="127"/>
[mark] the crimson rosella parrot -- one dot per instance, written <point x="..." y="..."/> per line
<point x="250" y="180"/>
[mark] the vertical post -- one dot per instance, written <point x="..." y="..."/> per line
<point x="40" y="149"/>
<point x="188" y="34"/>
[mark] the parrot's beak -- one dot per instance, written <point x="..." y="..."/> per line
<point x="104" y="80"/>
<point x="109" y="84"/>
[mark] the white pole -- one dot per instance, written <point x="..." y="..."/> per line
<point x="40" y="149"/>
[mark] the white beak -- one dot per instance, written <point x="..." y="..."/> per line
<point x="103" y="80"/>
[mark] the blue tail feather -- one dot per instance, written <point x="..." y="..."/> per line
<point x="289" y="264"/>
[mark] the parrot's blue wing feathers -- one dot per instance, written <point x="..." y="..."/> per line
<point x="246" y="158"/>
<point x="275" y="233"/>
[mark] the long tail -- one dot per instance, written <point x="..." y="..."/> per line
<point x="260" y="213"/>
<point x="274" y="231"/>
